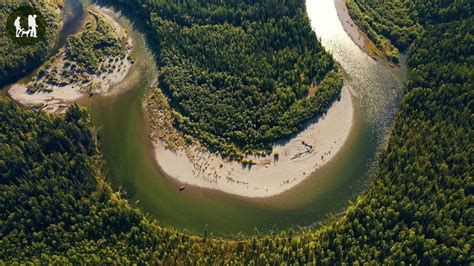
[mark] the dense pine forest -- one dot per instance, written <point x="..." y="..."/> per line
<point x="239" y="73"/>
<point x="393" y="25"/>
<point x="56" y="206"/>
<point x="15" y="59"/>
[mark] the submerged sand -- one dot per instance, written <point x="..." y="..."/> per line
<point x="56" y="98"/>
<point x="298" y="157"/>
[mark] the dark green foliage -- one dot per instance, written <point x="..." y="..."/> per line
<point x="238" y="72"/>
<point x="418" y="210"/>
<point x="400" y="22"/>
<point x="17" y="59"/>
<point x="54" y="204"/>
<point x="47" y="165"/>
<point x="394" y="20"/>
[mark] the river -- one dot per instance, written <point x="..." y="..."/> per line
<point x="130" y="166"/>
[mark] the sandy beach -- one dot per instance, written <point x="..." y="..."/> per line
<point x="297" y="158"/>
<point x="56" y="98"/>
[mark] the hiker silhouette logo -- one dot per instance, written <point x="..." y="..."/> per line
<point x="32" y="26"/>
<point x="26" y="25"/>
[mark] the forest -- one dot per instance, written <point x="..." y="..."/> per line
<point x="16" y="59"/>
<point x="239" y="73"/>
<point x="393" y="25"/>
<point x="56" y="205"/>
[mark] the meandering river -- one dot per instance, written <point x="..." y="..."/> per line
<point x="130" y="165"/>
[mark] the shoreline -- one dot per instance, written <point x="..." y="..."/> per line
<point x="57" y="98"/>
<point x="298" y="157"/>
<point x="358" y="36"/>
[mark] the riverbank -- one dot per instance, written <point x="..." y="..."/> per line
<point x="291" y="161"/>
<point x="358" y="35"/>
<point x="62" y="81"/>
<point x="355" y="33"/>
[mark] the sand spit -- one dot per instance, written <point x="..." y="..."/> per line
<point x="296" y="158"/>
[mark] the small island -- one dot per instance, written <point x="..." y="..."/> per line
<point x="93" y="60"/>
<point x="68" y="199"/>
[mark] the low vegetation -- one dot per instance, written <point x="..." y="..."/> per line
<point x="94" y="51"/>
<point x="94" y="45"/>
<point x="162" y="119"/>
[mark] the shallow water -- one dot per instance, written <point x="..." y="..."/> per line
<point x="376" y="86"/>
<point x="130" y="166"/>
